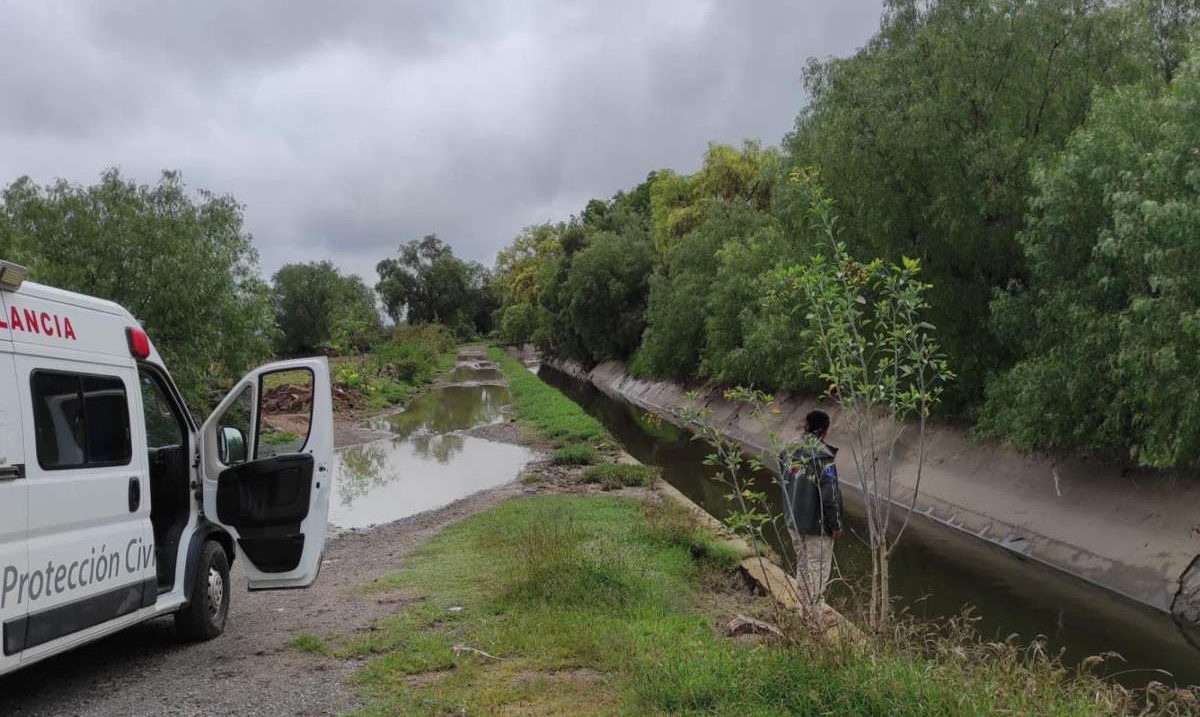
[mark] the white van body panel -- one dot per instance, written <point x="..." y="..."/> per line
<point x="61" y="522"/>
<point x="14" y="557"/>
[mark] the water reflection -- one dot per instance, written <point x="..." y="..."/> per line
<point x="440" y="448"/>
<point x="935" y="570"/>
<point x="428" y="463"/>
<point x="386" y="480"/>
<point x="446" y="409"/>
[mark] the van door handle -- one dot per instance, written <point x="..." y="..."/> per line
<point x="135" y="494"/>
<point x="12" y="472"/>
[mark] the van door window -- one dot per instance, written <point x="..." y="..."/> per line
<point x="285" y="412"/>
<point x="79" y="420"/>
<point x="233" y="433"/>
<point x="163" y="427"/>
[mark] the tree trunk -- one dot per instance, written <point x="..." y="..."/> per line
<point x="885" y="598"/>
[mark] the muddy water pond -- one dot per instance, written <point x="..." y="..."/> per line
<point x="427" y="462"/>
<point x="936" y="571"/>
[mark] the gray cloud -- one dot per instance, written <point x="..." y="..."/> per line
<point x="347" y="128"/>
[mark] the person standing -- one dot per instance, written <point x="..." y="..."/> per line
<point x="812" y="508"/>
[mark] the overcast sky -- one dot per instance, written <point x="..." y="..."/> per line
<point x="348" y="127"/>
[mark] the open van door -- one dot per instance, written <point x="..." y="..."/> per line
<point x="267" y="464"/>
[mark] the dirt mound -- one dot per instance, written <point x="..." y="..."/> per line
<point x="287" y="399"/>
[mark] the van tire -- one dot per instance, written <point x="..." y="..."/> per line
<point x="208" y="607"/>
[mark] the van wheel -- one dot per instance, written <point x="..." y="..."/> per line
<point x="206" y="611"/>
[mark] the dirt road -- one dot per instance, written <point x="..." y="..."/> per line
<point x="249" y="670"/>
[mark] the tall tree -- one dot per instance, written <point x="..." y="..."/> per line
<point x="180" y="262"/>
<point x="926" y="136"/>
<point x="1108" y="323"/>
<point x="319" y="309"/>
<point x="427" y="283"/>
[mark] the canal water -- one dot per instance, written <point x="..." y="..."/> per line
<point x="427" y="462"/>
<point x="937" y="570"/>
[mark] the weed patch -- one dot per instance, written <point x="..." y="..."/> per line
<point x="574" y="454"/>
<point x="612" y="476"/>
<point x="307" y="642"/>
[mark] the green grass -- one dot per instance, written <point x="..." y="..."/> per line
<point x="598" y="605"/>
<point x="307" y="642"/>
<point x="611" y="476"/>
<point x="545" y="409"/>
<point x="574" y="454"/>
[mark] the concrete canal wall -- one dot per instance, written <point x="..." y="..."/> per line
<point x="1134" y="532"/>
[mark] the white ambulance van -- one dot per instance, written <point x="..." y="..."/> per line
<point x="115" y="506"/>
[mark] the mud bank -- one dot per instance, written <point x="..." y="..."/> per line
<point x="1136" y="533"/>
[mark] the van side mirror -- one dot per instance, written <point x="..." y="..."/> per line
<point x="231" y="445"/>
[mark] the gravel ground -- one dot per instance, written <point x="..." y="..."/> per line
<point x="249" y="670"/>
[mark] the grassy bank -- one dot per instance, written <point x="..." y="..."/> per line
<point x="598" y="605"/>
<point x="556" y="605"/>
<point x="394" y="368"/>
<point x="558" y="419"/>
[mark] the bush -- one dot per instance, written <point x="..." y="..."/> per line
<point x="386" y="376"/>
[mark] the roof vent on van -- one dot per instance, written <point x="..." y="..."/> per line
<point x="11" y="275"/>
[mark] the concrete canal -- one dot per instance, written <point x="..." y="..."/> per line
<point x="936" y="571"/>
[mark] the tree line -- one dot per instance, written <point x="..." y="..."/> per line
<point x="1040" y="159"/>
<point x="184" y="265"/>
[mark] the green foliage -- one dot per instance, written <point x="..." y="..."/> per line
<point x="389" y="373"/>
<point x="574" y="454"/>
<point x="578" y="290"/>
<point x="317" y="308"/>
<point x="180" y="261"/>
<point x="426" y="283"/>
<point x="605" y="294"/>
<point x="557" y="567"/>
<point x="865" y="336"/>
<point x="1108" y="325"/>
<point x="925" y="137"/>
<point x="612" y="476"/>
<point x="517" y="279"/>
<point x="545" y="409"/>
<point x="307" y="642"/>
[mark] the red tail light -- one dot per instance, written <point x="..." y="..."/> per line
<point x="139" y="342"/>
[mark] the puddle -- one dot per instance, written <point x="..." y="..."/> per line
<point x="386" y="480"/>
<point x="427" y="463"/>
<point x="446" y="409"/>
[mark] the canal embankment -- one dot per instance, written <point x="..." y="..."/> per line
<point x="1133" y="532"/>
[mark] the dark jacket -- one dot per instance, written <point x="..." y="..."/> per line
<point x="812" y="495"/>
